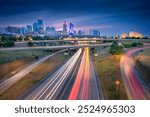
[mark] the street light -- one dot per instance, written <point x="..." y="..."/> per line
<point x="117" y="84"/>
<point x="96" y="55"/>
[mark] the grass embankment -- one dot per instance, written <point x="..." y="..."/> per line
<point x="9" y="56"/>
<point x="108" y="70"/>
<point x="8" y="69"/>
<point x="143" y="63"/>
<point x="33" y="77"/>
<point x="13" y="60"/>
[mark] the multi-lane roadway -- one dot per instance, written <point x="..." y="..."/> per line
<point x="51" y="88"/>
<point x="86" y="83"/>
<point x="70" y="82"/>
<point x="77" y="79"/>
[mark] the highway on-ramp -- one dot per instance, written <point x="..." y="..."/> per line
<point x="7" y="83"/>
<point x="137" y="88"/>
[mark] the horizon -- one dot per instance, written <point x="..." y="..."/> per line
<point x="85" y="29"/>
<point x="111" y="17"/>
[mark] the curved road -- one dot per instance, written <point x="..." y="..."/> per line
<point x="137" y="88"/>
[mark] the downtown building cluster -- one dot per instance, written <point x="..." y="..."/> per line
<point x="37" y="29"/>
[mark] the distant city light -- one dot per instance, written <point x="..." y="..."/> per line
<point x="71" y="29"/>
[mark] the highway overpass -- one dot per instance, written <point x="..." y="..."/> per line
<point x="86" y="39"/>
<point x="55" y="47"/>
<point x="75" y="41"/>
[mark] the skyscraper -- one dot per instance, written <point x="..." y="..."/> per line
<point x="29" y="28"/>
<point x="23" y="30"/>
<point x="64" y="32"/>
<point x="71" y="29"/>
<point x="40" y="21"/>
<point x="40" y="25"/>
<point x="35" y="27"/>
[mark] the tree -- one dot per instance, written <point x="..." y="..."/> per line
<point x="30" y="44"/>
<point x="3" y="39"/>
<point x="134" y="44"/>
<point x="115" y="49"/>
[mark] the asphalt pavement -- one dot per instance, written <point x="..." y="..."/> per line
<point x="137" y="88"/>
<point x="86" y="86"/>
<point x="51" y="88"/>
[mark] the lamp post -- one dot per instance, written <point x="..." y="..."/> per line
<point x="117" y="82"/>
<point x="117" y="86"/>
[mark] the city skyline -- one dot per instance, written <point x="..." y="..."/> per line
<point x="111" y="17"/>
<point x="37" y="29"/>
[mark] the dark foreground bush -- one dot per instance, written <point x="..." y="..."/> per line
<point x="116" y="49"/>
<point x="134" y="44"/>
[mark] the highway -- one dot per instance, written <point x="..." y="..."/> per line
<point x="83" y="39"/>
<point x="52" y="86"/>
<point x="58" y="47"/>
<point x="7" y="83"/>
<point x="86" y="85"/>
<point x="137" y="88"/>
<point x="54" y="47"/>
<point x="75" y="80"/>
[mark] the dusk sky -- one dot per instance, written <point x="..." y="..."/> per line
<point x="111" y="17"/>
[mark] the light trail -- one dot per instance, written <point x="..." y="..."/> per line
<point x="137" y="87"/>
<point x="86" y="78"/>
<point x="86" y="86"/>
<point x="76" y="86"/>
<point x="5" y="84"/>
<point x="51" y="88"/>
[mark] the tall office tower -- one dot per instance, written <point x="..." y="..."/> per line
<point x="29" y="28"/>
<point x="94" y="32"/>
<point x="64" y="31"/>
<point x="40" y="26"/>
<point x="35" y="27"/>
<point x="71" y="29"/>
<point x="23" y="30"/>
